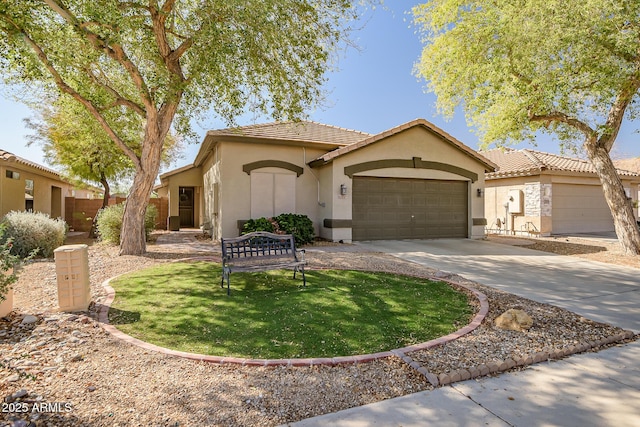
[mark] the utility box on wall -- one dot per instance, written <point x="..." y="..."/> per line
<point x="516" y="202"/>
<point x="72" y="273"/>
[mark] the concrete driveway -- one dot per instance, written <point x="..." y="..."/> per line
<point x="590" y="389"/>
<point x="599" y="291"/>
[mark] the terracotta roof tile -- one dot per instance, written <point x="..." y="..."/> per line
<point x="417" y="122"/>
<point x="10" y="157"/>
<point x="304" y="131"/>
<point x="628" y="164"/>
<point x="531" y="162"/>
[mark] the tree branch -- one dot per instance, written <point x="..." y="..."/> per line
<point x="64" y="87"/>
<point x="617" y="110"/>
<point x="115" y="52"/>
<point x="120" y="100"/>
<point x="557" y="116"/>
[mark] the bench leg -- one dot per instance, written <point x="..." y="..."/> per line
<point x="301" y="270"/>
<point x="226" y="272"/>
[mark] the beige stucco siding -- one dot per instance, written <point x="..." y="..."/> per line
<point x="189" y="178"/>
<point x="553" y="203"/>
<point x="414" y="142"/>
<point x="235" y="184"/>
<point x="45" y="186"/>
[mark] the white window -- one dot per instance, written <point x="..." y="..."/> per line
<point x="272" y="194"/>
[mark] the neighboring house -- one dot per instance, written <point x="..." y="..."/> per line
<point x="536" y="192"/>
<point x="632" y="165"/>
<point x="412" y="181"/>
<point x="25" y="185"/>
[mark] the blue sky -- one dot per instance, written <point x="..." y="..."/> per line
<point x="373" y="90"/>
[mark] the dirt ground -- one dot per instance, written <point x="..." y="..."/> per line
<point x="582" y="247"/>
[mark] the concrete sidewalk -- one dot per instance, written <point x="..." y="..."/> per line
<point x="591" y="389"/>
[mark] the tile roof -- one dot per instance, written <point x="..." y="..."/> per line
<point x="10" y="157"/>
<point x="628" y="164"/>
<point x="303" y="131"/>
<point x="417" y="122"/>
<point x="525" y="162"/>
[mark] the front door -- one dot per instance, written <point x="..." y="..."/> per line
<point x="186" y="206"/>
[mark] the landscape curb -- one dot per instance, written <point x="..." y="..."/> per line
<point x="103" y="318"/>
<point x="436" y="380"/>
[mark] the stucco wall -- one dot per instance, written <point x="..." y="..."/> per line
<point x="414" y="142"/>
<point x="538" y="193"/>
<point x="189" y="178"/>
<point x="234" y="184"/>
<point x="12" y="191"/>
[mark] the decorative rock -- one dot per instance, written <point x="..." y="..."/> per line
<point x="20" y="393"/>
<point x="514" y="320"/>
<point x="29" y="319"/>
<point x="12" y="378"/>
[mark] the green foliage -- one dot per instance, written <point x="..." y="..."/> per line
<point x="566" y="68"/>
<point x="270" y="315"/>
<point x="287" y="223"/>
<point x="34" y="233"/>
<point x="8" y="261"/>
<point x="299" y="225"/>
<point x="159" y="68"/>
<point x="110" y="222"/>
<point x="260" y="224"/>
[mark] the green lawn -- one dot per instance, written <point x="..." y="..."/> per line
<point x="269" y="315"/>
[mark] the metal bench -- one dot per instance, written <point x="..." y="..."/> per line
<point x="261" y="251"/>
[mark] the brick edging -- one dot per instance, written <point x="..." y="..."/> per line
<point x="103" y="318"/>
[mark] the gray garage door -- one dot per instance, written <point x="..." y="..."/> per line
<point x="395" y="208"/>
<point x="579" y="209"/>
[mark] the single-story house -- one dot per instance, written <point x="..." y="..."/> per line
<point x="412" y="181"/>
<point x="632" y="165"/>
<point x="543" y="193"/>
<point x="26" y="185"/>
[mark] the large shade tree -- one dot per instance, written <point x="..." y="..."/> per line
<point x="164" y="62"/>
<point x="73" y="140"/>
<point x="519" y="67"/>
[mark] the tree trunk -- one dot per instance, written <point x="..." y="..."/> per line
<point x="132" y="237"/>
<point x="620" y="206"/>
<point x="93" y="232"/>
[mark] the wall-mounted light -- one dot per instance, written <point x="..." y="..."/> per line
<point x="479" y="192"/>
<point x="343" y="189"/>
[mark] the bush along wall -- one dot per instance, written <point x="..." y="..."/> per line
<point x="110" y="222"/>
<point x="287" y="223"/>
<point x="33" y="233"/>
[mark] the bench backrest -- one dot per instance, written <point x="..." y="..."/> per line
<point x="259" y="244"/>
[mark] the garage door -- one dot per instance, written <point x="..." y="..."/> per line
<point x="390" y="208"/>
<point x="579" y="209"/>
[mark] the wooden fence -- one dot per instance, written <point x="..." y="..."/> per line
<point x="79" y="213"/>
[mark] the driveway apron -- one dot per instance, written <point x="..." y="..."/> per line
<point x="598" y="291"/>
<point x="585" y="390"/>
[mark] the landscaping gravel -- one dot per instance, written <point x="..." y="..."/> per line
<point x="64" y="369"/>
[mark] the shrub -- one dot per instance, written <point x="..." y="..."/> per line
<point x="110" y="222"/>
<point x="7" y="262"/>
<point x="299" y="225"/>
<point x="260" y="224"/>
<point x="31" y="232"/>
